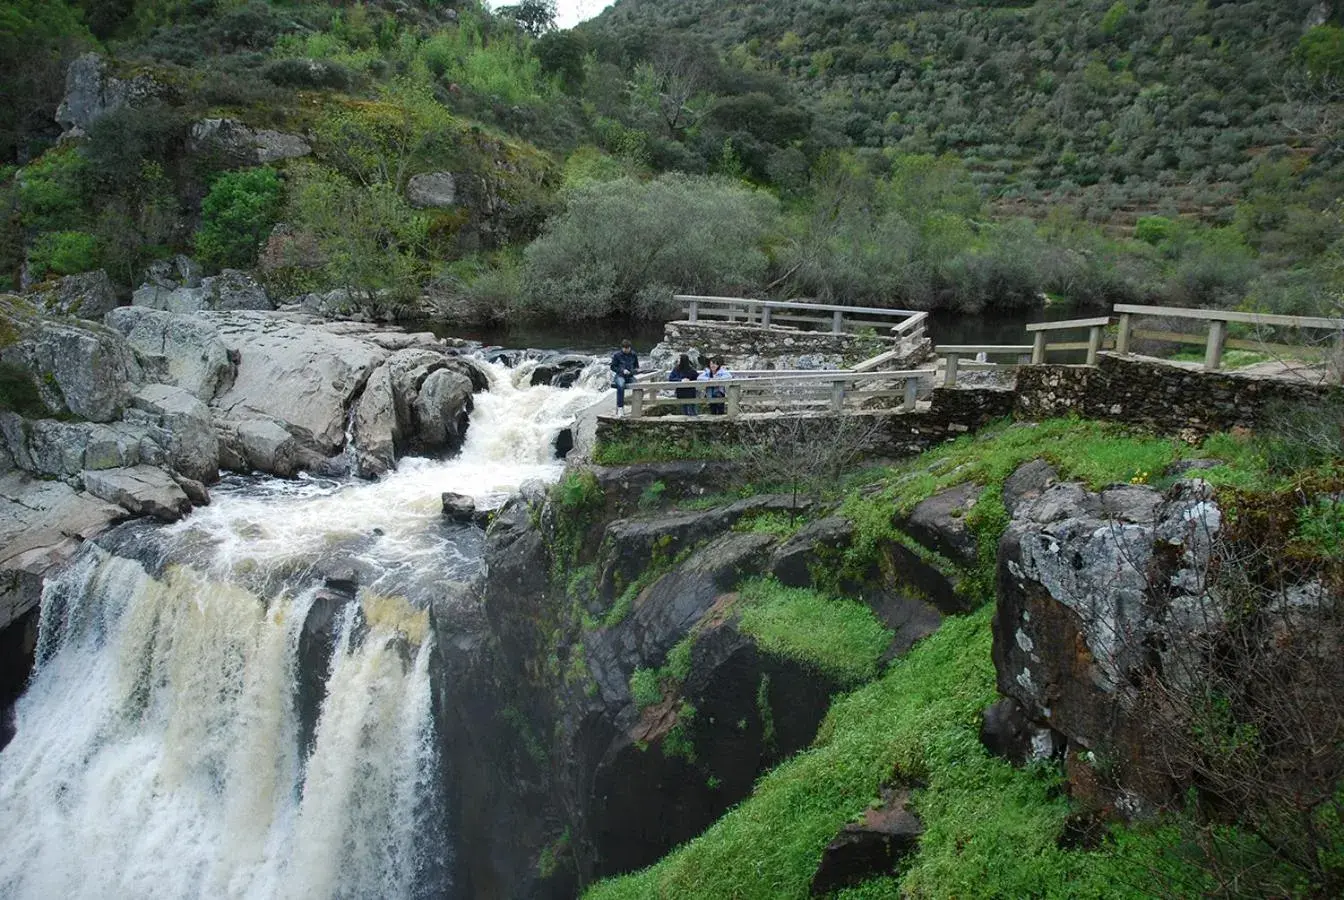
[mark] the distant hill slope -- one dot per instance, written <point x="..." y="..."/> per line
<point x="1131" y="103"/>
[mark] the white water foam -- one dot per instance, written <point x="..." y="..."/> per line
<point x="157" y="752"/>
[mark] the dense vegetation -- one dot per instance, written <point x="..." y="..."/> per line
<point x="919" y="153"/>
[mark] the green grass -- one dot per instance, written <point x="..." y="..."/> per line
<point x="620" y="453"/>
<point x="771" y="521"/>
<point x="990" y="828"/>
<point x="841" y="638"/>
<point x="1231" y="359"/>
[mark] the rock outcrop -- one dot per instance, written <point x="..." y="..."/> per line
<point x="81" y="370"/>
<point x="1089" y="585"/>
<point x="232" y="289"/>
<point x="178" y="350"/>
<point x="143" y="490"/>
<point x="91" y="93"/>
<point x="237" y="144"/>
<point x="434" y="190"/>
<point x="88" y="295"/>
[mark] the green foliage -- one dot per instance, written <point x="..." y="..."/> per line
<point x="1321" y="51"/>
<point x="621" y="247"/>
<point x="549" y="861"/>
<point x="645" y="687"/>
<point x="624" y="452"/>
<point x="679" y="741"/>
<point x="652" y="496"/>
<point x="237" y="215"/>
<point x="780" y="524"/>
<point x="841" y="638"/>
<point x="62" y="253"/>
<point x="1320" y="526"/>
<point x="52" y="190"/>
<point x="37" y="39"/>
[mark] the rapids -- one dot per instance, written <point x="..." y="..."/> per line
<point x="158" y="750"/>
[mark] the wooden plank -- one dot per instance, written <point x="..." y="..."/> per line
<point x="1073" y="345"/>
<point x="1213" y="353"/>
<point x="1038" y="348"/>
<point x="970" y="349"/>
<point x="1228" y="315"/>
<point x="1122" y="334"/>
<point x="1071" y="323"/>
<point x="798" y="304"/>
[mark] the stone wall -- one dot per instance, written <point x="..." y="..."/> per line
<point x="1164" y="396"/>
<point x="751" y="346"/>
<point x="950" y="413"/>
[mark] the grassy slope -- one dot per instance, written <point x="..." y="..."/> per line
<point x="990" y="829"/>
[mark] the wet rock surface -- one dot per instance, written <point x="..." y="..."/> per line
<point x="885" y="834"/>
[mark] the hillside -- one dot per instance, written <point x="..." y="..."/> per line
<point x="438" y="160"/>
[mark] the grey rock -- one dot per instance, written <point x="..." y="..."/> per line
<point x="56" y="448"/>
<point x="885" y="834"/>
<point x="198" y="493"/>
<point x="241" y="145"/>
<point x="939" y="523"/>
<point x="91" y="93"/>
<point x="293" y="373"/>
<point x="85" y="370"/>
<point x="376" y="430"/>
<point x="441" y="409"/>
<point x="231" y="289"/>
<point x="42" y="524"/>
<point x="1027" y="483"/>
<point x="88" y="295"/>
<point x="141" y="490"/>
<point x="187" y="433"/>
<point x="179" y="350"/>
<point x="268" y="447"/>
<point x="180" y="271"/>
<point x="436" y="190"/>
<point x="461" y="510"/>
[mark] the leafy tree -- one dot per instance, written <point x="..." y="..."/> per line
<point x="562" y="54"/>
<point x="237" y="215"/>
<point x="37" y="39"/>
<point x="62" y="253"/>
<point x="536" y="17"/>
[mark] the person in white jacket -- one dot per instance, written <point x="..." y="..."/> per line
<point x="714" y="372"/>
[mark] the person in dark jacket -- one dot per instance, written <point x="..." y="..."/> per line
<point x="716" y="371"/>
<point x="624" y="365"/>
<point x="685" y="371"/>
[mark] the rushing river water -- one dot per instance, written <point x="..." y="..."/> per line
<point x="160" y="749"/>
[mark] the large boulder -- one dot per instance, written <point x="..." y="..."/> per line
<point x="267" y="447"/>
<point x="179" y="350"/>
<point x="141" y="490"/>
<point x="91" y="93"/>
<point x="441" y="409"/>
<point x="183" y="428"/>
<point x="88" y="295"/>
<point x="42" y="524"/>
<point x="1089" y="586"/>
<point x="291" y="372"/>
<point x="87" y="371"/>
<point x="434" y="190"/>
<point x="939" y="523"/>
<point x="57" y="449"/>
<point x="885" y="834"/>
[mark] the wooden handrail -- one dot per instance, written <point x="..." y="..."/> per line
<point x="796" y="304"/>
<point x="954" y="352"/>
<point x="772" y="390"/>
<point x="1102" y="321"/>
<point x="1095" y="326"/>
<point x="1218" y="320"/>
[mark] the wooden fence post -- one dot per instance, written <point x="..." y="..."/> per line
<point x="734" y="400"/>
<point x="636" y="401"/>
<point x="911" y="394"/>
<point x="1213" y="353"/>
<point x="1122" y="337"/>
<point x="765" y="316"/>
<point x="693" y="312"/>
<point x="837" y="322"/>
<point x="1093" y="344"/>
<point x="1038" y="348"/>
<point x="950" y="377"/>
<point x="837" y="395"/>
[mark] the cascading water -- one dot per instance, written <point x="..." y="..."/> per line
<point x="160" y="750"/>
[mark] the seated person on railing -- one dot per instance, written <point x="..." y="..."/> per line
<point x="624" y="366"/>
<point x="715" y="371"/>
<point x="685" y="371"/>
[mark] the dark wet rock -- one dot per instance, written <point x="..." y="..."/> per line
<point x="441" y="411"/>
<point x="1008" y="733"/>
<point x="884" y="835"/>
<point x="197" y="493"/>
<point x="939" y="523"/>
<point x="631" y="546"/>
<point x="564" y="442"/>
<point x="915" y="576"/>
<point x="910" y="618"/>
<point x="317" y="643"/>
<point x="18" y="647"/>
<point x="623" y="487"/>
<point x="461" y="510"/>
<point x="1027" y="483"/>
<point x="794" y="560"/>
<point x="140" y="490"/>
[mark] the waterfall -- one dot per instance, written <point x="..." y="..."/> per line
<point x="159" y="749"/>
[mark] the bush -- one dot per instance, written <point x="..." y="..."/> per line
<point x="62" y="253"/>
<point x="236" y="217"/>
<point x="311" y="74"/>
<point x="616" y="240"/>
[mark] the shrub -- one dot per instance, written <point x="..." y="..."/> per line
<point x="312" y="74"/>
<point x="236" y="217"/>
<point x="616" y="239"/>
<point x="62" y="253"/>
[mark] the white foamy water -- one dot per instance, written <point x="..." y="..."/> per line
<point x="157" y="752"/>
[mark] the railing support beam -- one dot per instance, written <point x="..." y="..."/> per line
<point x="1038" y="348"/>
<point x="1213" y="353"/>
<point x="1093" y="344"/>
<point x="950" y="376"/>
<point x="636" y="402"/>
<point x="911" y="394"/>
<point x="1122" y="336"/>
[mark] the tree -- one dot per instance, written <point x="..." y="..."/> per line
<point x="536" y="17"/>
<point x="237" y="215"/>
<point x="561" y="54"/>
<point x="806" y="454"/>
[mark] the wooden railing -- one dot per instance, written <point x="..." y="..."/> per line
<point x="1096" y="330"/>
<point x="1216" y="339"/>
<point x="953" y="354"/>
<point x="794" y="391"/>
<point x="901" y="324"/>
